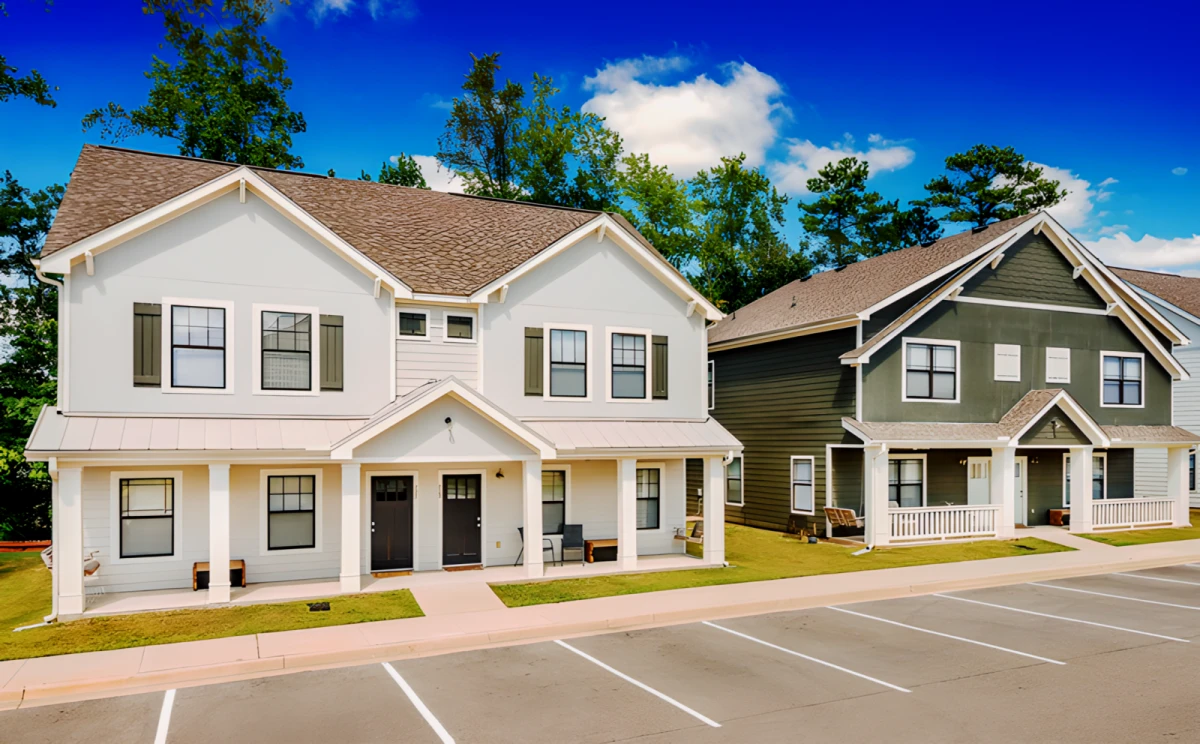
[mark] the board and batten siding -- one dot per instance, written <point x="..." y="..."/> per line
<point x="783" y="399"/>
<point x="419" y="361"/>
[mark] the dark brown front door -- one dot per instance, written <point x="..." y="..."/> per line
<point x="461" y="517"/>
<point x="391" y="522"/>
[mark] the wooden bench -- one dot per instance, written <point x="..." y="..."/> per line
<point x="590" y="545"/>
<point x="839" y="517"/>
<point x="1060" y="517"/>
<point x="697" y="535"/>
<point x="234" y="565"/>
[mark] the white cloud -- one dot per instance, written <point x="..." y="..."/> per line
<point x="405" y="9"/>
<point x="804" y="159"/>
<point x="1073" y="211"/>
<point x="1105" y="193"/>
<point x="437" y="177"/>
<point x="691" y="124"/>
<point x="1113" y="229"/>
<point x="1148" y="252"/>
<point x="1180" y="171"/>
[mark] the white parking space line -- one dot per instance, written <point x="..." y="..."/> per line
<point x="164" y="718"/>
<point x="952" y="637"/>
<point x="1064" y="619"/>
<point x="1158" y="578"/>
<point x="647" y="688"/>
<point x="1116" y="596"/>
<point x="427" y="714"/>
<point x="808" y="658"/>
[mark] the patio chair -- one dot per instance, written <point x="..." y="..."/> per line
<point x="547" y="544"/>
<point x="572" y="539"/>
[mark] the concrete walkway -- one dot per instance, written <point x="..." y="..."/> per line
<point x="104" y="673"/>
<point x="1063" y="536"/>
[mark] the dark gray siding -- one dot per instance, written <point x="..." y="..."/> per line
<point x="847" y="486"/>
<point x="1046" y="479"/>
<point x="1034" y="257"/>
<point x="1120" y="474"/>
<point x="694" y="477"/>
<point x="1043" y="431"/>
<point x="781" y="399"/>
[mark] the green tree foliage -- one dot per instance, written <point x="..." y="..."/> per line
<point x="988" y="183"/>
<point x="741" y="251"/>
<point x="404" y="172"/>
<point x="32" y="86"/>
<point x="847" y="223"/>
<point x="224" y="97"/>
<point x="660" y="207"/>
<point x="482" y="129"/>
<point x="29" y="333"/>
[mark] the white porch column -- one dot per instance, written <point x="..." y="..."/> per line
<point x="531" y="510"/>
<point x="352" y="527"/>
<point x="68" y="541"/>
<point x="1004" y="490"/>
<point x="1177" y="485"/>
<point x="875" y="494"/>
<point x="627" y="513"/>
<point x="218" y="533"/>
<point x="713" y="502"/>
<point x="1081" y="489"/>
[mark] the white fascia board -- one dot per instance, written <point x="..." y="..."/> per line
<point x="655" y="264"/>
<point x="344" y="450"/>
<point x="241" y="177"/>
<point x="1075" y="412"/>
<point x="857" y="432"/>
<point x="1169" y="305"/>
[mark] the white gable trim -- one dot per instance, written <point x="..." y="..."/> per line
<point x="1147" y="294"/>
<point x="609" y="228"/>
<point x="239" y="179"/>
<point x="344" y="450"/>
<point x="1076" y="413"/>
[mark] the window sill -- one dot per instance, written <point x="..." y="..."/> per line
<point x="197" y="391"/>
<point x="812" y="513"/>
<point x="928" y="400"/>
<point x="421" y="339"/>
<point x="174" y="558"/>
<point x="265" y="551"/>
<point x="289" y="393"/>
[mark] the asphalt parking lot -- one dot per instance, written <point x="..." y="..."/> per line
<point x="1102" y="658"/>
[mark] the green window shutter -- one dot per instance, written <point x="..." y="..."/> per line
<point x="658" y="385"/>
<point x="333" y="342"/>
<point x="533" y="361"/>
<point x="147" y="345"/>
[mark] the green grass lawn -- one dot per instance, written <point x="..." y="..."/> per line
<point x="25" y="599"/>
<point x="759" y="555"/>
<point x="1141" y="537"/>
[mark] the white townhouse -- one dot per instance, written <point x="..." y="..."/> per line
<point x="325" y="379"/>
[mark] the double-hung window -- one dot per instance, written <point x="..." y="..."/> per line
<point x="930" y="370"/>
<point x="147" y="512"/>
<point x="906" y="481"/>
<point x="291" y="512"/>
<point x="802" y="485"/>
<point x="628" y="366"/>
<point x="1099" y="475"/>
<point x="733" y="482"/>
<point x="286" y="351"/>
<point x="1122" y="379"/>
<point x="648" y="483"/>
<point x="197" y="347"/>
<point x="554" y="501"/>
<point x="568" y="363"/>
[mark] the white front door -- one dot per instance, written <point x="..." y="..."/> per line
<point x="1020" y="501"/>
<point x="979" y="490"/>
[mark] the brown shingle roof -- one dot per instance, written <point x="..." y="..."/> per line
<point x="836" y="294"/>
<point x="1126" y="435"/>
<point x="1181" y="291"/>
<point x="433" y="241"/>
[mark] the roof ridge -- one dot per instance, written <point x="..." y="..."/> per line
<point x="211" y="161"/>
<point x="520" y="202"/>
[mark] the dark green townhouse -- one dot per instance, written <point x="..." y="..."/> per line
<point x="957" y="389"/>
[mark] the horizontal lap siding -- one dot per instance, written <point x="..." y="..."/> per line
<point x="418" y="362"/>
<point x="782" y="399"/>
<point x="947" y="474"/>
<point x="1187" y="409"/>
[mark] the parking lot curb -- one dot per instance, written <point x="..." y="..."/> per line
<point x="542" y="629"/>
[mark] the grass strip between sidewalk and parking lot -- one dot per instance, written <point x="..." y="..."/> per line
<point x="761" y="555"/>
<point x="1158" y="534"/>
<point x="25" y="599"/>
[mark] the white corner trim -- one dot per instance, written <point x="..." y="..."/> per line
<point x="590" y="369"/>
<point x="264" y="513"/>
<point x="168" y="303"/>
<point x="608" y="363"/>
<point x="1141" y="383"/>
<point x="905" y="343"/>
<point x="113" y="554"/>
<point x="314" y="348"/>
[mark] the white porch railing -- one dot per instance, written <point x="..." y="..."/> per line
<point x="1127" y="513"/>
<point x="944" y="522"/>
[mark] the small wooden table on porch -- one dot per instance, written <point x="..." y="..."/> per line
<point x="590" y="545"/>
<point x="234" y="565"/>
<point x="1060" y="517"/>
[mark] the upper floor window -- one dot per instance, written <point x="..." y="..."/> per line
<point x="197" y="347"/>
<point x="460" y="328"/>
<point x="931" y="371"/>
<point x="1121" y="374"/>
<point x="628" y="366"/>
<point x="413" y="323"/>
<point x="286" y="351"/>
<point x="568" y="363"/>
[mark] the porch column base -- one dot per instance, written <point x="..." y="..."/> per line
<point x="218" y="534"/>
<point x="1081" y="489"/>
<point x="713" y="502"/>
<point x="68" y="545"/>
<point x="627" y="514"/>
<point x="875" y="493"/>
<point x="1178" y="459"/>
<point x="1004" y="490"/>
<point x="351" y="571"/>
<point x="531" y="475"/>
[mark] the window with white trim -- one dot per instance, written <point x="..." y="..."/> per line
<point x="733" y="483"/>
<point x="147" y="515"/>
<point x="628" y="366"/>
<point x="1058" y="365"/>
<point x="906" y="481"/>
<point x="291" y="512"/>
<point x="649" y="483"/>
<point x="802" y="485"/>
<point x="1099" y="477"/>
<point x="1121" y="377"/>
<point x="197" y="347"/>
<point x="712" y="384"/>
<point x="413" y="324"/>
<point x="554" y="501"/>
<point x="931" y="371"/>
<point x="460" y="328"/>
<point x="286" y="351"/>
<point x="568" y="363"/>
<point x="1007" y="363"/>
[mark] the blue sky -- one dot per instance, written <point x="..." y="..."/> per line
<point x="1107" y="100"/>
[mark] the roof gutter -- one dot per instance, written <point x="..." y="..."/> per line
<point x="37" y="271"/>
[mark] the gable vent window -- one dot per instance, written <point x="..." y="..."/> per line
<point x="197" y="347"/>
<point x="1058" y="365"/>
<point x="286" y="351"/>
<point x="1008" y="363"/>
